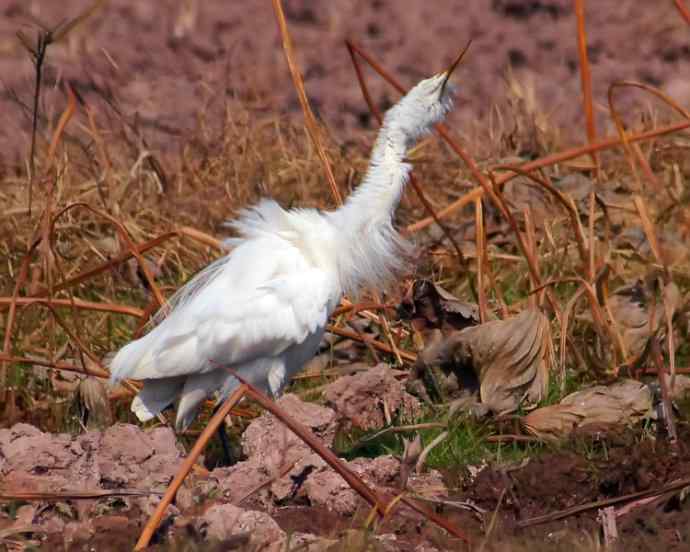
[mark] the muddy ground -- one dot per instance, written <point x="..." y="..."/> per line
<point x="162" y="64"/>
<point x="286" y="492"/>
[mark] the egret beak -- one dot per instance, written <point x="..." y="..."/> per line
<point x="449" y="71"/>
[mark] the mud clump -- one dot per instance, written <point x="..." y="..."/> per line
<point x="267" y="436"/>
<point x="367" y="400"/>
<point x="122" y="456"/>
<point x="255" y="530"/>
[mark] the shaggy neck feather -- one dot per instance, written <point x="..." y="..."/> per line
<point x="371" y="252"/>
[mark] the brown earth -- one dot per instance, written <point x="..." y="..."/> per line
<point x="619" y="465"/>
<point x="164" y="63"/>
<point x="312" y="502"/>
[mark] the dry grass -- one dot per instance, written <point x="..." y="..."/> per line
<point x="98" y="172"/>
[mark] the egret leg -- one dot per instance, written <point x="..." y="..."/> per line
<point x="229" y="459"/>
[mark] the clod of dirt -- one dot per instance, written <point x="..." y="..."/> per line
<point x="511" y="358"/>
<point x="369" y="399"/>
<point x="242" y="482"/>
<point x="278" y="475"/>
<point x="322" y="486"/>
<point x="122" y="456"/>
<point x="618" y="405"/>
<point x="271" y="449"/>
<point x="267" y="436"/>
<point x="225" y="521"/>
<point x="327" y="488"/>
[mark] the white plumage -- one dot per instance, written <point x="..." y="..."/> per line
<point x="262" y="309"/>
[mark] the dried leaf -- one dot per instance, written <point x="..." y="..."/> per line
<point x="628" y="305"/>
<point x="93" y="399"/>
<point x="511" y="358"/>
<point x="673" y="250"/>
<point x="411" y="452"/>
<point x="621" y="404"/>
<point x="429" y="306"/>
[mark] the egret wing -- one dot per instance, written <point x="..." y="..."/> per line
<point x="232" y="321"/>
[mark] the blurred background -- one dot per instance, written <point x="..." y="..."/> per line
<point x="165" y="65"/>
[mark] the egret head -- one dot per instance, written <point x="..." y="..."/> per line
<point x="427" y="103"/>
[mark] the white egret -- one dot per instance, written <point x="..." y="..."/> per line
<point x="262" y="309"/>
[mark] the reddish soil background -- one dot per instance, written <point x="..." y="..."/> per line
<point x="169" y="61"/>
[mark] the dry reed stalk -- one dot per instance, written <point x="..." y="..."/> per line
<point x="201" y="237"/>
<point x="124" y="235"/>
<point x="108" y="265"/>
<point x="146" y="315"/>
<point x="524" y="248"/>
<point x="503" y="309"/>
<point x="76" y="303"/>
<point x="186" y="231"/>
<point x="570" y="305"/>
<point x="370" y="341"/>
<point x="102" y="148"/>
<point x="646" y="169"/>
<point x="563" y="199"/>
<point x="650" y="232"/>
<point x="530" y="234"/>
<point x="554" y="516"/>
<point x="40" y="239"/>
<point x="602" y="328"/>
<point x="683" y="10"/>
<point x="547" y="161"/>
<point x="83" y="349"/>
<point x="368" y="344"/>
<point x="653" y="240"/>
<point x="633" y="153"/>
<point x="660" y="94"/>
<point x="11" y="317"/>
<point x="309" y="119"/>
<point x="351" y="308"/>
<point x="65" y="118"/>
<point x="62" y="366"/>
<point x="586" y="79"/>
<point x="592" y="238"/>
<point x="59" y="496"/>
<point x="480" y="239"/>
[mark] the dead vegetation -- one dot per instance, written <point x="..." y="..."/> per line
<point x="548" y="314"/>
